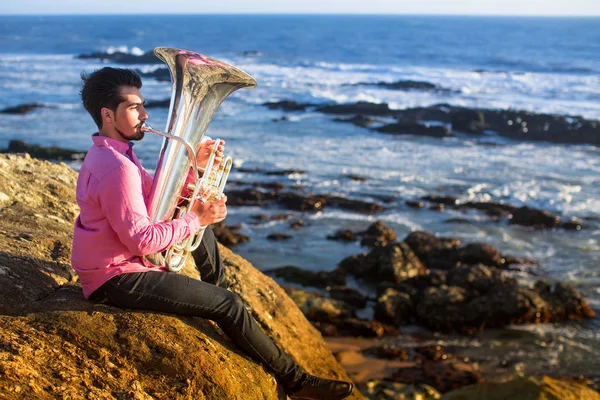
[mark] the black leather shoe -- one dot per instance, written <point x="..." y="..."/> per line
<point x="315" y="388"/>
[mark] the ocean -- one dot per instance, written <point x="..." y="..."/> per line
<point x="549" y="65"/>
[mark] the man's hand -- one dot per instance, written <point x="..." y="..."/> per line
<point x="204" y="153"/>
<point x="210" y="213"/>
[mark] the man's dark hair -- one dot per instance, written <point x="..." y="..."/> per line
<point x="102" y="88"/>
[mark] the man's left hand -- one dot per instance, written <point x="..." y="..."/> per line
<point x="204" y="153"/>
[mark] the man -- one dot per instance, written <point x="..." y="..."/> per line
<point x="113" y="233"/>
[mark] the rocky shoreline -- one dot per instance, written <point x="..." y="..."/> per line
<point x="441" y="284"/>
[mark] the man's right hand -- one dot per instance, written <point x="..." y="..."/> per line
<point x="211" y="213"/>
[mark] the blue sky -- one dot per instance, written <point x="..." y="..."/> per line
<point x="454" y="7"/>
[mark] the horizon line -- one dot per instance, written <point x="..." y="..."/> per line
<point x="85" y="14"/>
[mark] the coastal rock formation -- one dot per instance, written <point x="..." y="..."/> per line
<point x="54" y="344"/>
<point x="21" y="108"/>
<point x="43" y="153"/>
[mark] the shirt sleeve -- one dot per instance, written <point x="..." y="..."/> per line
<point x="122" y="202"/>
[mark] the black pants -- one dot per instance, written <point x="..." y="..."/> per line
<point x="178" y="294"/>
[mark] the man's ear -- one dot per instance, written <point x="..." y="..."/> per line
<point x="107" y="115"/>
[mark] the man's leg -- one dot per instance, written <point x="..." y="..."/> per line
<point x="208" y="260"/>
<point x="179" y="294"/>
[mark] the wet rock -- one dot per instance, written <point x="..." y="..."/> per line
<point x="377" y="235"/>
<point x="266" y="217"/>
<point x="359" y="120"/>
<point x="229" y="235"/>
<point x="388" y="352"/>
<point x="409" y="85"/>
<point x="393" y="263"/>
<point x="322" y="279"/>
<point x="388" y="390"/>
<point x="249" y="197"/>
<point x="573" y="225"/>
<point x="355" y="177"/>
<point x="160" y="74"/>
<point x="361" y="107"/>
<point x="565" y="302"/>
<point x="494" y="210"/>
<point x="166" y="103"/>
<point x="362" y="206"/>
<point x="434" y="252"/>
<point x="348" y="296"/>
<point x="440" y="112"/>
<point x="394" y="308"/>
<point x="443" y="376"/>
<point x="344" y="235"/>
<point x="414" y="204"/>
<point x="468" y="121"/>
<point x="295" y="201"/>
<point x="287" y="105"/>
<point x="43" y="153"/>
<point x="279" y="236"/>
<point x="297" y="224"/>
<point x="316" y="307"/>
<point x="474" y="253"/>
<point x="21" y="109"/>
<point x="534" y="388"/>
<point x="447" y="200"/>
<point x="123" y="58"/>
<point x="414" y="128"/>
<point x="355" y="328"/>
<point x="527" y="216"/>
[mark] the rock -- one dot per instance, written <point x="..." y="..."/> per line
<point x="249" y="197"/>
<point x="344" y="235"/>
<point x="21" y="109"/>
<point x="434" y="252"/>
<point x="297" y="224"/>
<point x="394" y="308"/>
<point x="359" y="120"/>
<point x="443" y="376"/>
<point x="378" y="235"/>
<point x="414" y="204"/>
<point x="123" y="58"/>
<point x="447" y="200"/>
<point x="229" y="235"/>
<point x="354" y="205"/>
<point x="535" y="218"/>
<point x="388" y="390"/>
<point x="283" y="172"/>
<point x="53" y="343"/>
<point x="468" y="121"/>
<point x="266" y="217"/>
<point x="287" y="105"/>
<point x="322" y="279"/>
<point x="410" y="85"/>
<point x="43" y="153"/>
<point x="393" y="263"/>
<point x="413" y="128"/>
<point x="316" y="307"/>
<point x="160" y="74"/>
<point x="355" y="328"/>
<point x="347" y="295"/>
<point x="355" y="177"/>
<point x="361" y="107"/>
<point x="481" y="253"/>
<point x="388" y="352"/>
<point x="279" y="236"/>
<point x="534" y="388"/>
<point x="158" y="103"/>
<point x="494" y="210"/>
<point x="295" y="201"/>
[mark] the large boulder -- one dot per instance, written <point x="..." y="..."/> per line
<point x="54" y="344"/>
<point x="542" y="388"/>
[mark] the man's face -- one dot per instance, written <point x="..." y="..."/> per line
<point x="130" y="114"/>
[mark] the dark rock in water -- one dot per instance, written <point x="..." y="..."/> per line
<point x="387" y="389"/>
<point x="287" y="105"/>
<point x="414" y="204"/>
<point x="252" y="53"/>
<point x="355" y="177"/>
<point x="348" y="296"/>
<point x="440" y="112"/>
<point x="408" y="85"/>
<point x="468" y="121"/>
<point x="358" y="120"/>
<point x="158" y="103"/>
<point x="303" y="277"/>
<point x="362" y="107"/>
<point x="294" y="201"/>
<point x="535" y="218"/>
<point x="353" y="204"/>
<point x="21" y="109"/>
<point x="317" y="307"/>
<point x="249" y="197"/>
<point x="494" y="210"/>
<point x="43" y="153"/>
<point x="354" y="327"/>
<point x="448" y="200"/>
<point x="279" y="236"/>
<point x="393" y="263"/>
<point x="377" y="235"/>
<point x="434" y="252"/>
<point x="573" y="225"/>
<point x="388" y="352"/>
<point x="565" y="303"/>
<point x="276" y="217"/>
<point x="475" y="253"/>
<point x="344" y="235"/>
<point x="395" y="308"/>
<point x="413" y="128"/>
<point x="297" y="224"/>
<point x="123" y="58"/>
<point x="228" y="235"/>
<point x="160" y="74"/>
<point x="443" y="376"/>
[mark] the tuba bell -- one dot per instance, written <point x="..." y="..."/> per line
<point x="200" y="84"/>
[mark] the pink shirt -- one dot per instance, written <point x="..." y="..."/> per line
<point x="113" y="230"/>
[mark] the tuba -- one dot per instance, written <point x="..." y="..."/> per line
<point x="200" y="84"/>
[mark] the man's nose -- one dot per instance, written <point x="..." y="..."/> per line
<point x="143" y="114"/>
